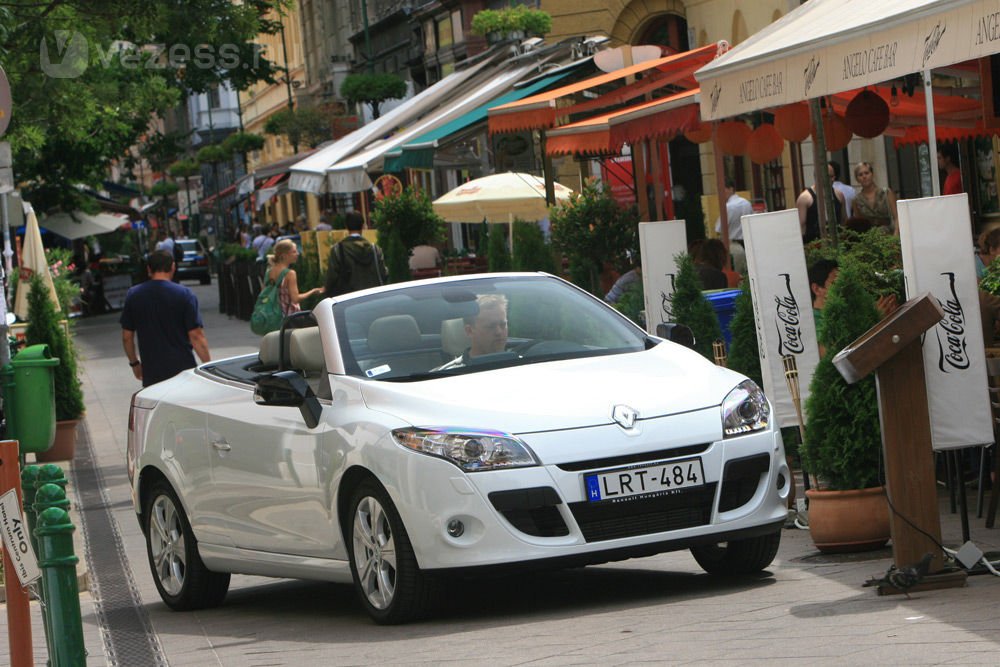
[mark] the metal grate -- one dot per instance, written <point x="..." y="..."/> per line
<point x="128" y="634"/>
<point x="740" y="480"/>
<point x="643" y="516"/>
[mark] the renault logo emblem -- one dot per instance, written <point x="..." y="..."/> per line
<point x="624" y="416"/>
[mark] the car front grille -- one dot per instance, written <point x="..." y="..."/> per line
<point x="643" y="516"/>
<point x="626" y="459"/>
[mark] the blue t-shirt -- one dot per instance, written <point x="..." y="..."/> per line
<point x="162" y="313"/>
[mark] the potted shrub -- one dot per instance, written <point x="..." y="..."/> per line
<point x="513" y="22"/>
<point x="45" y="326"/>
<point x="689" y="306"/>
<point x="848" y="511"/>
<point x="409" y="219"/>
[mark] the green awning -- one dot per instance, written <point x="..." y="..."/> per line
<point x="419" y="153"/>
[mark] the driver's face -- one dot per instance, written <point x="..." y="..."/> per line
<point x="489" y="333"/>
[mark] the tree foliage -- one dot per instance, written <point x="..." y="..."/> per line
<point x="302" y="126"/>
<point x="843" y="437"/>
<point x="690" y="307"/>
<point x="372" y="89"/>
<point x="592" y="229"/>
<point x="497" y="253"/>
<point x="744" y="352"/>
<point x="87" y="77"/>
<point x="531" y="252"/>
<point x="45" y="327"/>
<point x="411" y="215"/>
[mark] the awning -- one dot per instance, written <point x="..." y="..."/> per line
<point x="274" y="180"/>
<point x="79" y="224"/>
<point x="419" y="153"/>
<point x="830" y="46"/>
<point x="283" y="165"/>
<point x="210" y="201"/>
<point x="308" y="175"/>
<point x="540" y="111"/>
<point x="351" y="174"/>
<point x="661" y="118"/>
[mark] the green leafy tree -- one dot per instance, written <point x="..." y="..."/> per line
<point x="397" y="256"/>
<point x="372" y="89"/>
<point x="45" y="328"/>
<point x="498" y="255"/>
<point x="242" y="143"/>
<point x="302" y="126"/>
<point x="163" y="190"/>
<point x="85" y="83"/>
<point x="690" y="307"/>
<point x="530" y="251"/>
<point x="412" y="215"/>
<point x="744" y="353"/>
<point x="592" y="229"/>
<point x="843" y="439"/>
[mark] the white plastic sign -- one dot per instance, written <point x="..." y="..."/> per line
<point x="659" y="244"/>
<point x="15" y="539"/>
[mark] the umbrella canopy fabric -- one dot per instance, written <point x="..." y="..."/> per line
<point x="80" y="224"/>
<point x="32" y="261"/>
<point x="499" y="198"/>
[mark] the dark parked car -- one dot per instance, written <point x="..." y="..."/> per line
<point x="195" y="262"/>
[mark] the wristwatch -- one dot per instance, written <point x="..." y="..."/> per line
<point x="133" y="364"/>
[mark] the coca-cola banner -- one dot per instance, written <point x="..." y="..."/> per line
<point x="659" y="244"/>
<point x="782" y="306"/>
<point x="936" y="236"/>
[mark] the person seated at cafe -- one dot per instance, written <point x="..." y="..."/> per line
<point x="989" y="249"/>
<point x="423" y="257"/>
<point x="709" y="258"/>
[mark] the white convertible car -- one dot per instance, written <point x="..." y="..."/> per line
<point x="420" y="431"/>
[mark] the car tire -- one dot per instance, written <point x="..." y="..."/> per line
<point x="738" y="556"/>
<point x="388" y="581"/>
<point x="183" y="581"/>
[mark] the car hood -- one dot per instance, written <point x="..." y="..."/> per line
<point x="576" y="393"/>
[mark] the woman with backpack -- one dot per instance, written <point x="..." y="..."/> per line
<point x="285" y="254"/>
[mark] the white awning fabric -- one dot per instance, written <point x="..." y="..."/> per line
<point x="309" y="174"/>
<point x="351" y="174"/>
<point x="85" y="224"/>
<point x="830" y="46"/>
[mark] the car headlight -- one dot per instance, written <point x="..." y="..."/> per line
<point x="472" y="451"/>
<point x="745" y="410"/>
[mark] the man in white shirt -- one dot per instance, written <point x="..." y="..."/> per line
<point x="842" y="188"/>
<point x="736" y="208"/>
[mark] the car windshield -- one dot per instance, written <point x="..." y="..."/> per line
<point x="455" y="327"/>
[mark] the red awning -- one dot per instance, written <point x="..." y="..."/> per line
<point x="209" y="201"/>
<point x="540" y="111"/>
<point x="274" y="180"/>
<point x="662" y="118"/>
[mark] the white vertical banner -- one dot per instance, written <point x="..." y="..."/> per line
<point x="782" y="301"/>
<point x="659" y="244"/>
<point x="936" y="238"/>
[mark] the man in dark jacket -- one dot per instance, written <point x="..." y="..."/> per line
<point x="354" y="262"/>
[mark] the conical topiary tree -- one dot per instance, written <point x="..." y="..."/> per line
<point x="843" y="438"/>
<point x="397" y="257"/>
<point x="744" y="353"/>
<point x="498" y="254"/>
<point x="45" y="327"/>
<point x="690" y="307"/>
<point x="530" y="251"/>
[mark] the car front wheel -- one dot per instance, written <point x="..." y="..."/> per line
<point x="181" y="577"/>
<point x="738" y="556"/>
<point x="389" y="583"/>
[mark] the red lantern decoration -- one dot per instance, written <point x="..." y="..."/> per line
<point x="792" y="122"/>
<point x="835" y="131"/>
<point x="700" y="133"/>
<point x="765" y="144"/>
<point x="867" y="115"/>
<point x="732" y="137"/>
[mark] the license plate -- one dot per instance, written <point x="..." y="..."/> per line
<point x="644" y="480"/>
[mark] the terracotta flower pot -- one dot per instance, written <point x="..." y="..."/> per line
<point x="63" y="446"/>
<point x="847" y="521"/>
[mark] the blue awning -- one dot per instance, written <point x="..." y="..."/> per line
<point x="419" y="153"/>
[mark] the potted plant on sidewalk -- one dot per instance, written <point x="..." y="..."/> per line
<point x="45" y="326"/>
<point x="849" y="511"/>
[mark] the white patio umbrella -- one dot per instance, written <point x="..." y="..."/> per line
<point x="499" y="198"/>
<point x="32" y="261"/>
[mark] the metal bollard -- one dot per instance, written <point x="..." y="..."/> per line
<point x="58" y="564"/>
<point x="29" y="477"/>
<point x="50" y="473"/>
<point x="47" y="495"/>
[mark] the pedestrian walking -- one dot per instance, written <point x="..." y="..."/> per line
<point x="286" y="253"/>
<point x="354" y="262"/>
<point x="165" y="318"/>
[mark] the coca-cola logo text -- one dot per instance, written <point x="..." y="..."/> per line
<point x="789" y="320"/>
<point x="950" y="332"/>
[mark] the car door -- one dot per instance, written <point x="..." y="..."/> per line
<point x="270" y="477"/>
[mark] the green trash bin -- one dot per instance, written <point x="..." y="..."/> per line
<point x="29" y="398"/>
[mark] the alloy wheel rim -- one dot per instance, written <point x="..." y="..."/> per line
<point x="166" y="545"/>
<point x="374" y="553"/>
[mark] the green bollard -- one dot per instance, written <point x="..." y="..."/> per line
<point x="47" y="496"/>
<point x="50" y="473"/>
<point x="58" y="565"/>
<point x="29" y="476"/>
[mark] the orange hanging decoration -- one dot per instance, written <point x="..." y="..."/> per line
<point x="765" y="144"/>
<point x="792" y="122"/>
<point x="867" y="115"/>
<point x="700" y="133"/>
<point x="732" y="137"/>
<point x="835" y="131"/>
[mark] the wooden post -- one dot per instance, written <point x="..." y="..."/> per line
<point x="892" y="349"/>
<point x="18" y="606"/>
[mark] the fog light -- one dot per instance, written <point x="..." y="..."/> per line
<point x="456" y="528"/>
<point x="781" y="481"/>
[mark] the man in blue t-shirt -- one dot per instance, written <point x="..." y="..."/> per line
<point x="165" y="316"/>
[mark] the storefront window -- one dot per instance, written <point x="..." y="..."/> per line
<point x="444" y="33"/>
<point x="430" y="44"/>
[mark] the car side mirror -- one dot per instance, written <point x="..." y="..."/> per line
<point x="288" y="389"/>
<point x="676" y="333"/>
